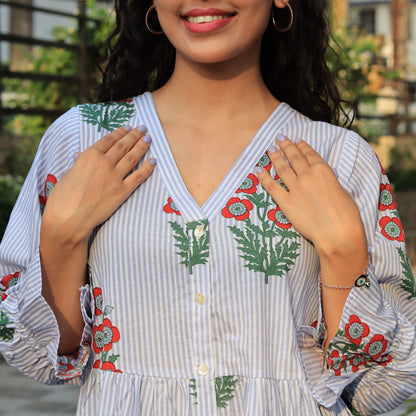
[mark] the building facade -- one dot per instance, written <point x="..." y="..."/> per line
<point x="377" y="17"/>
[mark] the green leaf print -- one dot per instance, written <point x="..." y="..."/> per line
<point x="408" y="280"/>
<point x="224" y="390"/>
<point x="193" y="392"/>
<point x="265" y="247"/>
<point x="192" y="243"/>
<point x="6" y="334"/>
<point x="109" y="116"/>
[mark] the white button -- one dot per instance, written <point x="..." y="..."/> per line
<point x="199" y="231"/>
<point x="203" y="370"/>
<point x="200" y="299"/>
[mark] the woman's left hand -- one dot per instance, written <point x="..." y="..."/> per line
<point x="315" y="203"/>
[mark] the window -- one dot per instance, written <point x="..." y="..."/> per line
<point x="368" y="21"/>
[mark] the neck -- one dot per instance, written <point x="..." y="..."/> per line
<point x="217" y="91"/>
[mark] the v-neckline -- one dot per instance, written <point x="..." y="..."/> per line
<point x="241" y="168"/>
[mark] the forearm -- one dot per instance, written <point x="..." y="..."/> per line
<point x="340" y="268"/>
<point x="64" y="271"/>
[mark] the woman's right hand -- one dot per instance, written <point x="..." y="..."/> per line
<point x="98" y="183"/>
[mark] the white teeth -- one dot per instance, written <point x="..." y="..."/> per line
<point x="205" y="19"/>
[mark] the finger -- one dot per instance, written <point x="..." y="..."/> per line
<point x="309" y="153"/>
<point x="130" y="159"/>
<point x="121" y="147"/>
<point x="295" y="157"/>
<point x="106" y="142"/>
<point x="277" y="192"/>
<point x="283" y="169"/>
<point x="139" y="176"/>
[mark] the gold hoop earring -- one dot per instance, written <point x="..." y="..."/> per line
<point x="146" y="20"/>
<point x="283" y="29"/>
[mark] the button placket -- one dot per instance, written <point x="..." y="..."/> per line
<point x="199" y="278"/>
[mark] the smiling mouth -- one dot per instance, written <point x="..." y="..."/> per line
<point x="207" y="19"/>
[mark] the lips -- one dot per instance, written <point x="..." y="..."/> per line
<point x="207" y="20"/>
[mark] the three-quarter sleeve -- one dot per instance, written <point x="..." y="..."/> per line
<point x="371" y="360"/>
<point x="29" y="334"/>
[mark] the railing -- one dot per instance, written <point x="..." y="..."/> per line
<point x="81" y="48"/>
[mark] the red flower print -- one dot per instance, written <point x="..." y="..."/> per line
<point x="170" y="207"/>
<point x="276" y="215"/>
<point x="7" y="282"/>
<point x="98" y="301"/>
<point x="49" y="184"/>
<point x="392" y="228"/>
<point x="376" y="346"/>
<point x="277" y="179"/>
<point x="65" y="367"/>
<point x="124" y="100"/>
<point x="386" y="200"/>
<point x="265" y="162"/>
<point x="106" y="365"/>
<point x="104" y="335"/>
<point x="237" y="208"/>
<point x="336" y="362"/>
<point x="384" y="360"/>
<point x="356" y="361"/>
<point x="249" y="186"/>
<point x="356" y="330"/>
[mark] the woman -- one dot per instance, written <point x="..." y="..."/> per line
<point x="218" y="281"/>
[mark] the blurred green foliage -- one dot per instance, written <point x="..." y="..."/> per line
<point x="50" y="94"/>
<point x="9" y="190"/>
<point x="26" y="131"/>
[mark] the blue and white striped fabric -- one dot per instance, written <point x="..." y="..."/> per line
<point x="212" y="310"/>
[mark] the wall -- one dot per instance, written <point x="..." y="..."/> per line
<point x="406" y="201"/>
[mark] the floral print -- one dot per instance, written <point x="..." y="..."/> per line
<point x="279" y="218"/>
<point x="98" y="300"/>
<point x="355" y="330"/>
<point x="351" y="349"/>
<point x="69" y="367"/>
<point x="376" y="346"/>
<point x="249" y="186"/>
<point x="170" y="207"/>
<point x="392" y="228"/>
<point x="104" y="335"/>
<point x="265" y="162"/>
<point x="386" y="200"/>
<point x="264" y="240"/>
<point x="7" y="282"/>
<point x="336" y="362"/>
<point x="237" y="208"/>
<point x="107" y="116"/>
<point x="356" y="362"/>
<point x="49" y="184"/>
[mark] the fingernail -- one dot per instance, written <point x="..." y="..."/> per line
<point x="280" y="137"/>
<point x="296" y="141"/>
<point x="142" y="128"/>
<point x="258" y="169"/>
<point x="271" y="149"/>
<point x="147" y="139"/>
<point x="76" y="155"/>
<point x="127" y="128"/>
<point x="153" y="161"/>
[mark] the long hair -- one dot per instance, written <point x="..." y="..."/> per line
<point x="293" y="63"/>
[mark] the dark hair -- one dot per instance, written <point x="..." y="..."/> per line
<point x="293" y="63"/>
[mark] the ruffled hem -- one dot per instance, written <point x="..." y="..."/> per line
<point x="32" y="339"/>
<point x="107" y="392"/>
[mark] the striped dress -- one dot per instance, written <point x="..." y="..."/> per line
<point x="212" y="310"/>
